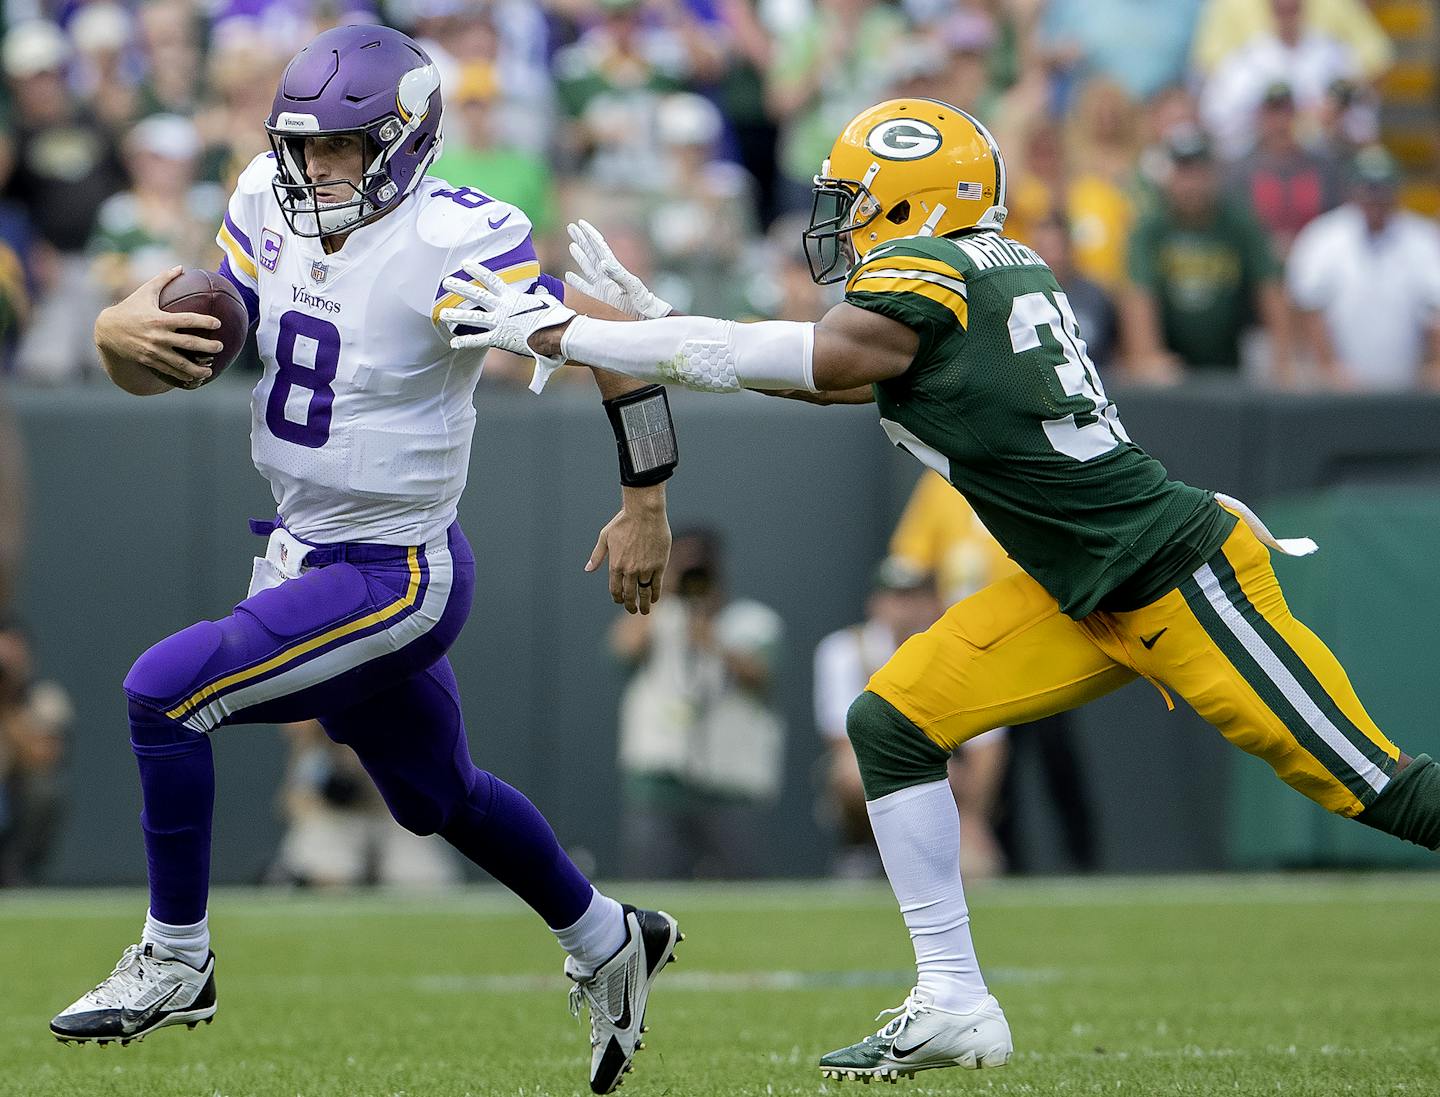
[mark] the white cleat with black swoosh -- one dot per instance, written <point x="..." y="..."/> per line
<point x="922" y="1037"/>
<point x="150" y="988"/>
<point x="617" y="992"/>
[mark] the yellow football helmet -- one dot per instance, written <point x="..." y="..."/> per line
<point x="906" y="167"/>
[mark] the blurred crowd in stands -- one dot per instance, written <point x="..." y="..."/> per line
<point x="1206" y="176"/>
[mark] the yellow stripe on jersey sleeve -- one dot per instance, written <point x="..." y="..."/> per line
<point x="882" y="282"/>
<point x="520" y="272"/>
<point x="893" y="261"/>
<point x="237" y="254"/>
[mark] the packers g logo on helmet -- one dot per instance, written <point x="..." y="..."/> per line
<point x="904" y="139"/>
<point x="906" y="167"/>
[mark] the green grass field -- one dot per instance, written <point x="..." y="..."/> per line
<point x="1307" y="985"/>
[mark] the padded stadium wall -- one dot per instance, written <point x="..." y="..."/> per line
<point x="138" y="512"/>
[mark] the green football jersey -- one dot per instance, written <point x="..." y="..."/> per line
<point x="1003" y="401"/>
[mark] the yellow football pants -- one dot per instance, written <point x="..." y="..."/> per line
<point x="1224" y="640"/>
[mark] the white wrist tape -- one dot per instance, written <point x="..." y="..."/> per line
<point x="698" y="352"/>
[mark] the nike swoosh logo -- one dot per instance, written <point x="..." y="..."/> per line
<point x="494" y="224"/>
<point x="131" y="1019"/>
<point x="1149" y="641"/>
<point x="623" y="1021"/>
<point x="898" y="1054"/>
<point x="527" y="312"/>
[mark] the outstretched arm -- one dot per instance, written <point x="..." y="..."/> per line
<point x="834" y="361"/>
<point x="850" y="348"/>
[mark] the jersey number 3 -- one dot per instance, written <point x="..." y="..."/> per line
<point x="323" y="337"/>
<point x="1086" y="433"/>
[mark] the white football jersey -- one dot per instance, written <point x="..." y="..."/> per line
<point x="363" y="417"/>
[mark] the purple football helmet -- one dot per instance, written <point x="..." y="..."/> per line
<point x="365" y="80"/>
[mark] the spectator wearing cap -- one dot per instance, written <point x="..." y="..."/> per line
<point x="1367" y="279"/>
<point x="64" y="164"/>
<point x="166" y="218"/>
<point x="475" y="156"/>
<point x="701" y="217"/>
<point x="105" y="77"/>
<point x="1286" y="184"/>
<point x="1201" y="273"/>
<point x="901" y="603"/>
<point x="1308" y="61"/>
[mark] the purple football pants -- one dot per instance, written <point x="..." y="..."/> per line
<point x="358" y="641"/>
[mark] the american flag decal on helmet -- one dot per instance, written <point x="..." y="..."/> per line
<point x="973" y="191"/>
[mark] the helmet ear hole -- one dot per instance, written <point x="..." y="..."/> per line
<point x="899" y="213"/>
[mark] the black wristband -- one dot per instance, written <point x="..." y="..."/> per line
<point x="645" y="436"/>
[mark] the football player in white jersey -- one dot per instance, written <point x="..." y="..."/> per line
<point x="341" y="247"/>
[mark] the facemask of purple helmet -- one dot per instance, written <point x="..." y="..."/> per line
<point x="371" y="81"/>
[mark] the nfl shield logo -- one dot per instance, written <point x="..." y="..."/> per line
<point x="318" y="272"/>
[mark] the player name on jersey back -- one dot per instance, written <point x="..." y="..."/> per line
<point x="989" y="250"/>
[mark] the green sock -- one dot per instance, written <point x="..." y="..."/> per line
<point x="1409" y="806"/>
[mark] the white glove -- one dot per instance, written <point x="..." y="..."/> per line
<point x="510" y="317"/>
<point x="603" y="277"/>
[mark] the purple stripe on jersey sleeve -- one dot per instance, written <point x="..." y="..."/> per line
<point x="523" y="252"/>
<point x="240" y="237"/>
<point x="248" y="295"/>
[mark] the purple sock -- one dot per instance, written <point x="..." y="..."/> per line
<point x="505" y="834"/>
<point x="177" y="783"/>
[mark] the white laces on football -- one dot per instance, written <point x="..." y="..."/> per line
<point x="128" y="976"/>
<point x="908" y="1010"/>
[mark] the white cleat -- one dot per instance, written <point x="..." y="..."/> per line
<point x="617" y="992"/>
<point x="150" y="988"/>
<point x="922" y="1037"/>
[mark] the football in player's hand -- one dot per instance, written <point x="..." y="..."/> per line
<point x="210" y="294"/>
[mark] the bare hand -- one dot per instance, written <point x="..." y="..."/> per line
<point x="139" y="331"/>
<point x="637" y="540"/>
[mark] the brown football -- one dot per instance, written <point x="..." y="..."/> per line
<point x="210" y="294"/>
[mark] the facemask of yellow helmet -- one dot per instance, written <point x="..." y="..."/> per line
<point x="906" y="167"/>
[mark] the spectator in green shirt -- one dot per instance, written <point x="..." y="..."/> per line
<point x="472" y="158"/>
<point x="1201" y="273"/>
<point x="165" y="218"/>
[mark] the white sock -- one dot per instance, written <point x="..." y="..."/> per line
<point x="188" y="943"/>
<point x="598" y="934"/>
<point x="918" y="832"/>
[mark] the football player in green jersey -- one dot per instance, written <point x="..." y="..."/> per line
<point x="970" y="349"/>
